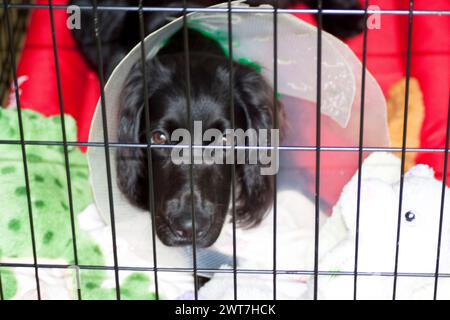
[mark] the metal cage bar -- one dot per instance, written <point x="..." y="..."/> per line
<point x="276" y="127"/>
<point x="106" y="146"/>
<point x="349" y="273"/>
<point x="240" y="10"/>
<point x="65" y="147"/>
<point x="19" y="20"/>
<point x="1" y="287"/>
<point x="1" y="81"/>
<point x="404" y="138"/>
<point x="191" y="149"/>
<point x="23" y="148"/>
<point x="441" y="213"/>
<point x="360" y="151"/>
<point x="233" y="167"/>
<point x="281" y="148"/>
<point x="318" y="151"/>
<point x="149" y="149"/>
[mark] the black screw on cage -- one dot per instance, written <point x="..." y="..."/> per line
<point x="11" y="41"/>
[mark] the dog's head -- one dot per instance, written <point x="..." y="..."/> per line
<point x="209" y="191"/>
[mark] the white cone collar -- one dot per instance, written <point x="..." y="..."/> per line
<point x="253" y="42"/>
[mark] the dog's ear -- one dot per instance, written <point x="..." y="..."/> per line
<point x="132" y="167"/>
<point x="132" y="161"/>
<point x="256" y="98"/>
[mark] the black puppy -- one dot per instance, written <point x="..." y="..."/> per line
<point x="254" y="108"/>
<point x="210" y="90"/>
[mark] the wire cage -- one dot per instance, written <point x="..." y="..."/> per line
<point x="14" y="17"/>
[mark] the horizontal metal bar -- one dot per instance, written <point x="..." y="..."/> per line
<point x="225" y="271"/>
<point x="235" y="10"/>
<point x="281" y="148"/>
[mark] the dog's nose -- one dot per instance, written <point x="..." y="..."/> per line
<point x="182" y="225"/>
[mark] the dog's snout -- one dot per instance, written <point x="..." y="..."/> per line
<point x="182" y="225"/>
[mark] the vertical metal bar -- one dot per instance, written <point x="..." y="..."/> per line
<point x="23" y="147"/>
<point x="1" y="96"/>
<point x="4" y="63"/>
<point x="191" y="130"/>
<point x="405" y="131"/>
<point x="106" y="141"/>
<point x="361" y="145"/>
<point x="276" y="127"/>
<point x="441" y="215"/>
<point x="318" y="143"/>
<point x="233" y="126"/>
<point x="64" y="136"/>
<point x="17" y="29"/>
<point x="149" y="144"/>
<point x="1" y="287"/>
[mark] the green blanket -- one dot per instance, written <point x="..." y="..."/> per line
<point x="50" y="206"/>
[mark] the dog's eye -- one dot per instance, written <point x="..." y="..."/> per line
<point x="159" y="137"/>
<point x="410" y="216"/>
